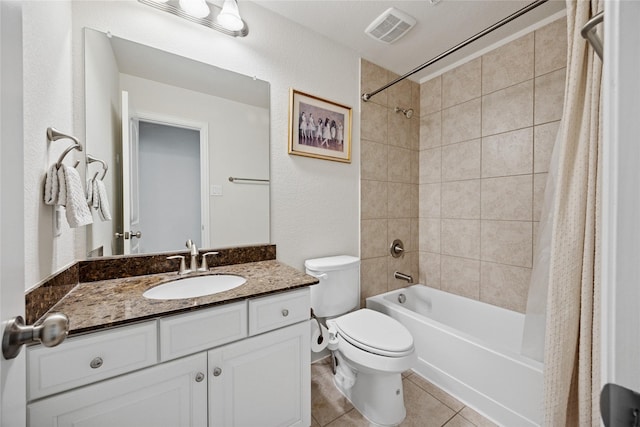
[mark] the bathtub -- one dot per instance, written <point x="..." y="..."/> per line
<point x="470" y="350"/>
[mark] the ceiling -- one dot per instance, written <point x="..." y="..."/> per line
<point x="439" y="27"/>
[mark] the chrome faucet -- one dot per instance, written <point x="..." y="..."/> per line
<point x="403" y="276"/>
<point x="194" y="255"/>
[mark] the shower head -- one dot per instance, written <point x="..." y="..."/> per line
<point x="407" y="113"/>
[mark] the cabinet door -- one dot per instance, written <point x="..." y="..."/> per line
<point x="262" y="381"/>
<point x="171" y="395"/>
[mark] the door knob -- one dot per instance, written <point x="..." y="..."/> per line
<point x="51" y="332"/>
<point x="128" y="235"/>
<point x="137" y="234"/>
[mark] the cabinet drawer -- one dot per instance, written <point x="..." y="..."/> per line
<point x="189" y="333"/>
<point x="86" y="359"/>
<point x="279" y="310"/>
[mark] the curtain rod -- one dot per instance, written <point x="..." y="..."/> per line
<point x="367" y="96"/>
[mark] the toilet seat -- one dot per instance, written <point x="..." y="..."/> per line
<point x="375" y="333"/>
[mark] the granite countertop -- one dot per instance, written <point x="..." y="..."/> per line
<point x="96" y="305"/>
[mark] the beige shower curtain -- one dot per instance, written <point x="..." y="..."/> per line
<point x="572" y="340"/>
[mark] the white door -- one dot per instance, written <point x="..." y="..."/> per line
<point x="621" y="197"/>
<point x="130" y="233"/>
<point x="12" y="372"/>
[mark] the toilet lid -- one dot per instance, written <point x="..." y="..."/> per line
<point x="375" y="332"/>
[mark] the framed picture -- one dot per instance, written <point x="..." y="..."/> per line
<point x="319" y="128"/>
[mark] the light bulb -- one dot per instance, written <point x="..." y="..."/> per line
<point x="229" y="16"/>
<point x="195" y="8"/>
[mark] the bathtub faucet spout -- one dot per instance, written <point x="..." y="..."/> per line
<point x="403" y="276"/>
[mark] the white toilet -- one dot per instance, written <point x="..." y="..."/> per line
<point x="371" y="349"/>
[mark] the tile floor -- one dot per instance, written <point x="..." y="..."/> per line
<point x="427" y="405"/>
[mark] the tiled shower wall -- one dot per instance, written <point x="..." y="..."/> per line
<point x="486" y="135"/>
<point x="389" y="180"/>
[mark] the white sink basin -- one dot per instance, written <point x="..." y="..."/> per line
<point x="191" y="287"/>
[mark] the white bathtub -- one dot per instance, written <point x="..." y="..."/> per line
<point x="471" y="350"/>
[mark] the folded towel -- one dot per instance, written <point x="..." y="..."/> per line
<point x="75" y="201"/>
<point x="51" y="187"/>
<point x="62" y="187"/>
<point x="104" y="210"/>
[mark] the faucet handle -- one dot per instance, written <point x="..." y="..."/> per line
<point x="204" y="266"/>
<point x="183" y="266"/>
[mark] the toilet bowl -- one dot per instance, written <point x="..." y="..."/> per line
<point x="371" y="351"/>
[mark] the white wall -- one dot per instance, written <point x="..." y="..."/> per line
<point x="314" y="203"/>
<point x="103" y="127"/>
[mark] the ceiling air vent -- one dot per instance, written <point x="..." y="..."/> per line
<point x="390" y="26"/>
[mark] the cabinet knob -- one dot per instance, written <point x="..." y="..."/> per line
<point x="217" y="372"/>
<point x="199" y="377"/>
<point x="285" y="312"/>
<point x="96" y="362"/>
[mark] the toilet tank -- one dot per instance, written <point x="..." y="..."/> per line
<point x="339" y="289"/>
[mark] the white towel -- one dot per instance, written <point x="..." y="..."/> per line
<point x="104" y="210"/>
<point x="90" y="192"/>
<point x="75" y="201"/>
<point x="51" y="187"/>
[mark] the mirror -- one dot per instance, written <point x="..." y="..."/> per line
<point x="187" y="146"/>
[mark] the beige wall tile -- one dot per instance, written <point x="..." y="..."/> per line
<point x="509" y="153"/>
<point x="414" y="131"/>
<point x="461" y="161"/>
<point x="414" y="242"/>
<point x="549" y="98"/>
<point x="429" y="199"/>
<point x="430" y="131"/>
<point x="372" y="77"/>
<point x="461" y="84"/>
<point x="373" y="160"/>
<point x="430" y="165"/>
<point x="504" y="285"/>
<point x="399" y="200"/>
<point x="539" y="185"/>
<point x="551" y="47"/>
<point x="461" y="122"/>
<point x="399" y="164"/>
<point x="507" y="198"/>
<point x="373" y="122"/>
<point x="373" y="238"/>
<point x="431" y="96"/>
<point x="415" y="98"/>
<point x="399" y="94"/>
<point x="374" y="199"/>
<point x="536" y="230"/>
<point x="508" y="65"/>
<point x="430" y="269"/>
<point x="399" y="130"/>
<point x="507" y="242"/>
<point x="508" y="109"/>
<point x="429" y="235"/>
<point x="544" y="138"/>
<point x="460" y="237"/>
<point x="460" y="276"/>
<point x="414" y="173"/>
<point x="461" y="199"/>
<point x="373" y="277"/>
<point x="415" y="201"/>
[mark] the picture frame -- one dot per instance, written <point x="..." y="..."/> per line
<point x="319" y="128"/>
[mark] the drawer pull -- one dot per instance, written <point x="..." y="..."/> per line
<point x="217" y="372"/>
<point x="285" y="312"/>
<point x="96" y="362"/>
<point x="199" y="377"/>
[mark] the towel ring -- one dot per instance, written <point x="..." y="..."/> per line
<point x="54" y="135"/>
<point x="105" y="167"/>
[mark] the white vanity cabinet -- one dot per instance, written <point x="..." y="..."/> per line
<point x="239" y="364"/>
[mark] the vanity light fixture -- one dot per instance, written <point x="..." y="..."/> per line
<point x="225" y="19"/>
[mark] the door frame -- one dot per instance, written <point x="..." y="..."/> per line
<point x="203" y="129"/>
